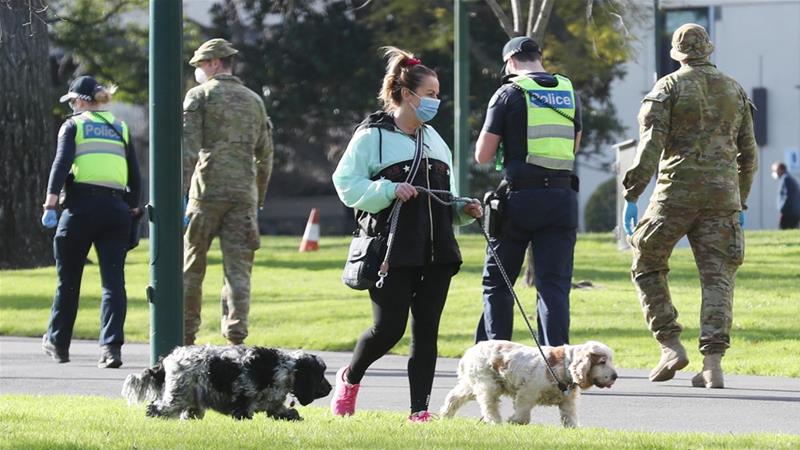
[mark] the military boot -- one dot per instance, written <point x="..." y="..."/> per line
<point x="673" y="359"/>
<point x="711" y="375"/>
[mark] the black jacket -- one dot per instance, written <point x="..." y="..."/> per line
<point x="424" y="233"/>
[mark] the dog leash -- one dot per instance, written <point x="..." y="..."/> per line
<point x="434" y="194"/>
<point x="394" y="215"/>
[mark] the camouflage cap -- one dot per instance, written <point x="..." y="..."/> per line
<point x="690" y="41"/>
<point x="214" y="48"/>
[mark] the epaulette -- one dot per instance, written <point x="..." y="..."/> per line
<point x="656" y="96"/>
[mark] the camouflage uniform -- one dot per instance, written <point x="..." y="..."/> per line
<point x="227" y="162"/>
<point x="696" y="125"/>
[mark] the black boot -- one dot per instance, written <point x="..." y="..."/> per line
<point x="111" y="357"/>
<point x="59" y="355"/>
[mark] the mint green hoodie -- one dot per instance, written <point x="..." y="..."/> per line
<point x="363" y="160"/>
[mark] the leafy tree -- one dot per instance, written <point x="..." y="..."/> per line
<point x="318" y="64"/>
<point x="586" y="41"/>
<point x="308" y="60"/>
<point x="105" y="39"/>
<point x="115" y="47"/>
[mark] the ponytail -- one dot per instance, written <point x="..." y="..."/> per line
<point x="104" y="94"/>
<point x="403" y="70"/>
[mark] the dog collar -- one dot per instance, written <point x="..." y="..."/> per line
<point x="568" y="383"/>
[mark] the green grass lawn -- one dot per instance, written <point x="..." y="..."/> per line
<point x="65" y="422"/>
<point x="299" y="302"/>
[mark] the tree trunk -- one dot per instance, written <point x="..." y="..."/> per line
<point x="26" y="137"/>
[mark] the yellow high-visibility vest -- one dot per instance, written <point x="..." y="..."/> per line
<point x="551" y="136"/>
<point x="99" y="151"/>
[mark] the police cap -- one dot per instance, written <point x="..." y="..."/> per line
<point x="520" y="44"/>
<point x="83" y="87"/>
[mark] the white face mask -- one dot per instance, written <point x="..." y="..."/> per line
<point x="200" y="76"/>
<point x="775" y="175"/>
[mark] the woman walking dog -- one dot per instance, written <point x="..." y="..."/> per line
<point x="374" y="173"/>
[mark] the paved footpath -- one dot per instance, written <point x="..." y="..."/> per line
<point x="748" y="404"/>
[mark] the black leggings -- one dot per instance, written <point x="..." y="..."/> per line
<point x="423" y="290"/>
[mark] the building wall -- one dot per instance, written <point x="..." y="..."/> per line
<point x="757" y="44"/>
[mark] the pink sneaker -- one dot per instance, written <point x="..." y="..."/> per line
<point x="343" y="402"/>
<point x="421" y="416"/>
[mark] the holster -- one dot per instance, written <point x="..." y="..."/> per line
<point x="494" y="209"/>
<point x="64" y="195"/>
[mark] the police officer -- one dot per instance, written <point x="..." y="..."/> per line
<point x="96" y="165"/>
<point x="536" y="116"/>
<point x="696" y="126"/>
<point x="227" y="162"/>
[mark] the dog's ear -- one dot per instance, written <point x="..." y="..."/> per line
<point x="308" y="373"/>
<point x="261" y="364"/>
<point x="580" y="366"/>
<point x="600" y="353"/>
<point x="158" y="373"/>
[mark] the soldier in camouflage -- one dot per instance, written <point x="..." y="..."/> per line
<point x="696" y="125"/>
<point x="227" y="162"/>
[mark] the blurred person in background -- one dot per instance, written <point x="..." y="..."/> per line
<point x="788" y="197"/>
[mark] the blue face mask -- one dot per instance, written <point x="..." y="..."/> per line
<point x="427" y="109"/>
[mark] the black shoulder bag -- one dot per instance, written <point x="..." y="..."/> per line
<point x="367" y="253"/>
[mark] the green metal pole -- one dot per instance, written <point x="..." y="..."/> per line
<point x="461" y="157"/>
<point x="165" y="292"/>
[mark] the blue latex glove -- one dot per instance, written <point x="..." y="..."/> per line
<point x="741" y="218"/>
<point x="49" y="218"/>
<point x="630" y="217"/>
<point x="185" y="217"/>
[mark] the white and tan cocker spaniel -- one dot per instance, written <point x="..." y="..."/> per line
<point x="491" y="369"/>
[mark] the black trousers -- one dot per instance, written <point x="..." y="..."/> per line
<point x="423" y="291"/>
<point x="788" y="222"/>
<point x="547" y="218"/>
<point x="105" y="222"/>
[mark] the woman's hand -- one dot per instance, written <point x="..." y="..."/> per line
<point x="405" y="191"/>
<point x="474" y="209"/>
<point x="49" y="216"/>
<point x="50" y="201"/>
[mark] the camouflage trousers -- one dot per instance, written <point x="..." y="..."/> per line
<point x="717" y="243"/>
<point x="236" y="225"/>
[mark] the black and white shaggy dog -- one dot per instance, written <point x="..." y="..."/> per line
<point x="235" y="380"/>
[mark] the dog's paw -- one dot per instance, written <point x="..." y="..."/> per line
<point x="152" y="410"/>
<point x="289" y="414"/>
<point x="241" y="415"/>
<point x="513" y="421"/>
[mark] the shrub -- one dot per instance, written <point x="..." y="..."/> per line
<point x="601" y="209"/>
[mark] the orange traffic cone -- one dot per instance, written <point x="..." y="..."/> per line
<point x="310" y="240"/>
